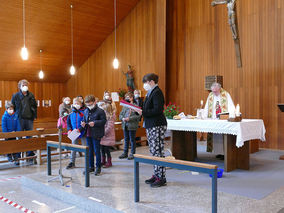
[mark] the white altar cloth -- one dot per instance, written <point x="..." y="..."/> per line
<point x="247" y="129"/>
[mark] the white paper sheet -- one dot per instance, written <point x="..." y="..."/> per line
<point x="115" y="96"/>
<point x="74" y="135"/>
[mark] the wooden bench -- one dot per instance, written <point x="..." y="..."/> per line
<point x="178" y="164"/>
<point x="72" y="147"/>
<point x="34" y="140"/>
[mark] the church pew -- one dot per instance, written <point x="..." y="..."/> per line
<point x="28" y="141"/>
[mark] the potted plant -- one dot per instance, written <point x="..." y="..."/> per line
<point x="171" y="110"/>
<point x="122" y="92"/>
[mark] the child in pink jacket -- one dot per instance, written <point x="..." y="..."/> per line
<point x="109" y="138"/>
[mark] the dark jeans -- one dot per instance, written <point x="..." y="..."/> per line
<point x="13" y="156"/>
<point x="105" y="151"/>
<point x="27" y="125"/>
<point x="94" y="145"/>
<point x="129" y="135"/>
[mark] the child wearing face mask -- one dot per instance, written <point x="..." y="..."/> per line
<point x="94" y="125"/>
<point x="81" y="98"/>
<point x="74" y="122"/>
<point x="11" y="123"/>
<point x="65" y="107"/>
<point x="108" y="99"/>
<point x="130" y="121"/>
<point x="137" y="99"/>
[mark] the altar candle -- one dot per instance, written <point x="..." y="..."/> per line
<point x="238" y="110"/>
<point x="201" y="102"/>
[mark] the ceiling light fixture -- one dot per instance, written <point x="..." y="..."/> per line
<point x="72" y="68"/>
<point x="115" y="62"/>
<point x="24" y="50"/>
<point x="40" y="74"/>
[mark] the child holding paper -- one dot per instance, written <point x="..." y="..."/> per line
<point x="94" y="125"/>
<point x="74" y="123"/>
<point x="130" y="121"/>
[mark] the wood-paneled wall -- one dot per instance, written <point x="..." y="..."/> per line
<point x="199" y="43"/>
<point x="41" y="91"/>
<point x="141" y="39"/>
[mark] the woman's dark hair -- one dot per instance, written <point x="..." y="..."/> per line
<point x="150" y="77"/>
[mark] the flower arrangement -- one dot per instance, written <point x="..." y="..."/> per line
<point x="122" y="92"/>
<point x="171" y="110"/>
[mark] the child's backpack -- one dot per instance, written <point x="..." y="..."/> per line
<point x="62" y="122"/>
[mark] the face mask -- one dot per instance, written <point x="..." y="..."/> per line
<point x="24" y="88"/>
<point x="10" y="111"/>
<point x="91" y="107"/>
<point x="136" y="95"/>
<point x="146" y="86"/>
<point x="106" y="97"/>
<point x="77" y="106"/>
<point x="67" y="102"/>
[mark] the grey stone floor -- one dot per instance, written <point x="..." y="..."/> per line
<point x="114" y="188"/>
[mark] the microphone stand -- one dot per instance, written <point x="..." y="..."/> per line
<point x="60" y="175"/>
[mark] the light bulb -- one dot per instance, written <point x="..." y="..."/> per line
<point x="24" y="53"/>
<point x="72" y="70"/>
<point x="115" y="63"/>
<point x="41" y="74"/>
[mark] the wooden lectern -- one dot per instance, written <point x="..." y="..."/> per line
<point x="281" y="107"/>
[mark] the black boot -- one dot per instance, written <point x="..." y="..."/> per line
<point x="70" y="166"/>
<point x="90" y="170"/>
<point x="98" y="171"/>
<point x="159" y="182"/>
<point x="151" y="180"/>
<point x="123" y="155"/>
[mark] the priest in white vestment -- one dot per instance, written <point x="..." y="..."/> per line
<point x="218" y="101"/>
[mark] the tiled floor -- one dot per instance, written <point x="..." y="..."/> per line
<point x="114" y="188"/>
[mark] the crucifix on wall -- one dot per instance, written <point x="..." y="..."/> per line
<point x="233" y="25"/>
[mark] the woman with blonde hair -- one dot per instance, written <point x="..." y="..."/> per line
<point x="109" y="138"/>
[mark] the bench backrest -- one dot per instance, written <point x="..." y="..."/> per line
<point x="34" y="140"/>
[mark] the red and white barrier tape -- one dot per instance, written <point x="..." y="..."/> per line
<point x="17" y="206"/>
<point x="8" y="179"/>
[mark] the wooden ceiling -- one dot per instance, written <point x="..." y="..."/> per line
<point x="48" y="28"/>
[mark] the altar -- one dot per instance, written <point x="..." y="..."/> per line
<point x="236" y="139"/>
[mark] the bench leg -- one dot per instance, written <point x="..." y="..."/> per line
<point x="39" y="157"/>
<point x="136" y="181"/>
<point x="87" y="174"/>
<point x="214" y="192"/>
<point x="48" y="160"/>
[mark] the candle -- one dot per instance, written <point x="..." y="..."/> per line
<point x="238" y="110"/>
<point x="232" y="114"/>
<point x="201" y="103"/>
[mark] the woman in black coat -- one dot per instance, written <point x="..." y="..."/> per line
<point x="155" y="124"/>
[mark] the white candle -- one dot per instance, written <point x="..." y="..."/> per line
<point x="232" y="114"/>
<point x="201" y="102"/>
<point x="238" y="110"/>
